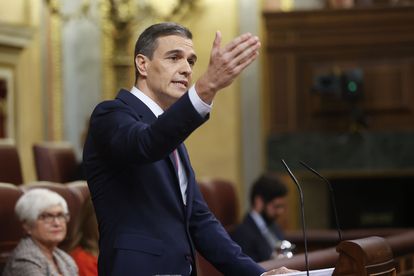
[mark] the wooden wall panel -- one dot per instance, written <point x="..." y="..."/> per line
<point x="302" y="45"/>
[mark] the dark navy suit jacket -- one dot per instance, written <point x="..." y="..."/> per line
<point x="251" y="240"/>
<point x="145" y="229"/>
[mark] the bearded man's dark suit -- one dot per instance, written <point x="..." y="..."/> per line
<point x="252" y="241"/>
<point x="145" y="228"/>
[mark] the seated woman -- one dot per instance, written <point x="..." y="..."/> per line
<point x="44" y="215"/>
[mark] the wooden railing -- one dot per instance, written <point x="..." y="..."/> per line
<point x="400" y="241"/>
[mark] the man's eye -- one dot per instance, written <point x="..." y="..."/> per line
<point x="174" y="58"/>
<point x="191" y="62"/>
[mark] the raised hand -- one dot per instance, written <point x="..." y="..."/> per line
<point x="226" y="64"/>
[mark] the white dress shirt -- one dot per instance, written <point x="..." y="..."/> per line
<point x="264" y="229"/>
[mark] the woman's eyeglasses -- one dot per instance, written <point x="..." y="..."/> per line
<point x="49" y="217"/>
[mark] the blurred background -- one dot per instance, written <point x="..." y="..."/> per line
<point x="333" y="87"/>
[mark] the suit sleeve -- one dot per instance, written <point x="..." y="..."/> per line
<point x="214" y="244"/>
<point x="121" y="134"/>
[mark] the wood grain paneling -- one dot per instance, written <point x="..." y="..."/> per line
<point x="304" y="44"/>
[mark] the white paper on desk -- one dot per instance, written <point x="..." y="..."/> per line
<point x="317" y="272"/>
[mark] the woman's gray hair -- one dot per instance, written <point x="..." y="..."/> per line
<point x="33" y="202"/>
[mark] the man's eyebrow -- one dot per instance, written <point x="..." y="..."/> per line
<point x="174" y="51"/>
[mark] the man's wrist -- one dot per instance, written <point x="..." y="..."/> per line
<point x="205" y="90"/>
<point x="202" y="107"/>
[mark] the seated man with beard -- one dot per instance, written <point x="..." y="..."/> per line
<point x="258" y="234"/>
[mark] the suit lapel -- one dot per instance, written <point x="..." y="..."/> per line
<point x="144" y="113"/>
<point x="184" y="158"/>
<point x="190" y="178"/>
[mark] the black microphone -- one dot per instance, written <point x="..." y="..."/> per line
<point x="302" y="209"/>
<point x="332" y="197"/>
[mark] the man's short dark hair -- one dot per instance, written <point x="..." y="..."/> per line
<point x="147" y="41"/>
<point x="268" y="187"/>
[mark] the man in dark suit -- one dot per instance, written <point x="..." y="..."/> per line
<point x="259" y="234"/>
<point x="150" y="211"/>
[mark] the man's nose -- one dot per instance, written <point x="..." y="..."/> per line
<point x="186" y="68"/>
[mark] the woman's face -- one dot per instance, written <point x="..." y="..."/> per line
<point x="50" y="227"/>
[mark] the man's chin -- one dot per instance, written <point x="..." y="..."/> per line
<point x="183" y="89"/>
<point x="178" y="93"/>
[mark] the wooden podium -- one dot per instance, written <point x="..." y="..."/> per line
<point x="368" y="256"/>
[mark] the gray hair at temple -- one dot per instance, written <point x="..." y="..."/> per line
<point x="147" y="41"/>
<point x="33" y="202"/>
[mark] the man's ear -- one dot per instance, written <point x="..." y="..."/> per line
<point x="141" y="62"/>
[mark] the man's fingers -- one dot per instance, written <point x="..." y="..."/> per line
<point x="227" y="63"/>
<point x="249" y="45"/>
<point x="217" y="41"/>
<point x="245" y="51"/>
<point x="237" y="41"/>
<point x="246" y="55"/>
<point x="242" y="51"/>
<point x="246" y="62"/>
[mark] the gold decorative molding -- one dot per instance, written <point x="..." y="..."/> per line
<point x="15" y="36"/>
<point x="57" y="129"/>
<point x="108" y="76"/>
<point x="13" y="39"/>
<point x="54" y="80"/>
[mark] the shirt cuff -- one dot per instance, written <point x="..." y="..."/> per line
<point x="202" y="108"/>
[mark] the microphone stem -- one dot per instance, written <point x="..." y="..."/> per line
<point x="305" y="240"/>
<point x="335" y="212"/>
<point x="302" y="205"/>
<point x="332" y="197"/>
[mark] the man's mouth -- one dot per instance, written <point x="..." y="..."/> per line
<point x="182" y="83"/>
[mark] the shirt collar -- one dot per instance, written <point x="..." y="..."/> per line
<point x="258" y="219"/>
<point x="153" y="106"/>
